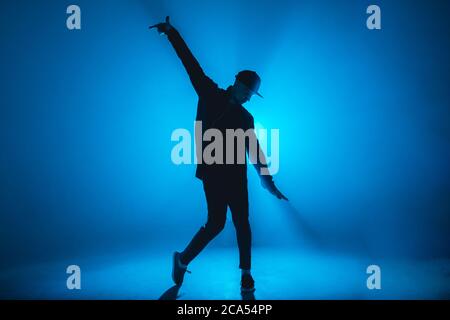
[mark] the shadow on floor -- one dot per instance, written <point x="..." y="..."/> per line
<point x="173" y="294"/>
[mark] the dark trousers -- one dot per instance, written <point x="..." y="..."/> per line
<point x="220" y="194"/>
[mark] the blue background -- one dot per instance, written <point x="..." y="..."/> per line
<point x="86" y="118"/>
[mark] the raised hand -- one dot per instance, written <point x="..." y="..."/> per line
<point x="162" y="27"/>
<point x="270" y="186"/>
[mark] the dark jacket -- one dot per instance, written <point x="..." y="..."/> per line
<point x="214" y="110"/>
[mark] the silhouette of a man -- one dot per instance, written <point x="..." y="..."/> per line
<point x="225" y="185"/>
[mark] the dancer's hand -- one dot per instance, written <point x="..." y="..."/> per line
<point x="162" y="27"/>
<point x="270" y="185"/>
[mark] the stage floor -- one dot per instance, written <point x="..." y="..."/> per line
<point x="279" y="274"/>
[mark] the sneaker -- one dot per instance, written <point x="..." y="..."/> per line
<point x="247" y="283"/>
<point x="178" y="270"/>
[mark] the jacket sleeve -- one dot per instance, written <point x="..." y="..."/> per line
<point x="201" y="83"/>
<point x="258" y="158"/>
